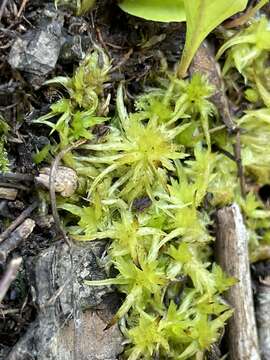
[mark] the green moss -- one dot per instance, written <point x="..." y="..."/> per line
<point x="161" y="152"/>
<point x="4" y="162"/>
<point x="4" y="129"/>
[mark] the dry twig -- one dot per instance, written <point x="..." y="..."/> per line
<point x="24" y="2"/>
<point x="18" y="221"/>
<point x="21" y="233"/>
<point x="2" y="9"/>
<point x="52" y="183"/>
<point x="205" y="63"/>
<point x="123" y="60"/>
<point x="238" y="159"/>
<point x="243" y="19"/>
<point x="9" y="276"/>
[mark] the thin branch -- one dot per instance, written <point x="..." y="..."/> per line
<point x="241" y="20"/>
<point x="18" y="221"/>
<point x="123" y="60"/>
<point x="2" y="9"/>
<point x="24" y="2"/>
<point x="224" y="152"/>
<point x="9" y="276"/>
<point x="16" y="238"/>
<point x="53" y="171"/>
<point x="238" y="159"/>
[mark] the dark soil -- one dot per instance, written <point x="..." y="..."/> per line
<point x="136" y="49"/>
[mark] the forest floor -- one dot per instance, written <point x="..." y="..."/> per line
<point x="37" y="43"/>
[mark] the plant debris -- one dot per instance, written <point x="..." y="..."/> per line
<point x="108" y="148"/>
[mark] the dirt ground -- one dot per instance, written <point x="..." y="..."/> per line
<point x="37" y="43"/>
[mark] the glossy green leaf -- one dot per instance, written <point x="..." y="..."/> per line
<point x="156" y="10"/>
<point x="202" y="17"/>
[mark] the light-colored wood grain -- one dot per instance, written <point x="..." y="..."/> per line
<point x="8" y="193"/>
<point x="263" y="316"/>
<point x="232" y="255"/>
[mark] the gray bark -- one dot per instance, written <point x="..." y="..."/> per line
<point x="232" y="254"/>
<point x="263" y="316"/>
<point x="72" y="316"/>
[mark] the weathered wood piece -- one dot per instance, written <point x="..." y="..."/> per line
<point x="232" y="254"/>
<point x="8" y="193"/>
<point x="205" y="63"/>
<point x="72" y="316"/>
<point x="21" y="218"/>
<point x="9" y="276"/>
<point x="263" y="316"/>
<point x="15" y="238"/>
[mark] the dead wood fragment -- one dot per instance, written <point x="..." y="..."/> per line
<point x="205" y="63"/>
<point x="24" y="2"/>
<point x="263" y="316"/>
<point x="238" y="159"/>
<point x="18" y="221"/>
<point x="246" y="16"/>
<point x="9" y="276"/>
<point x="2" y="8"/>
<point x="51" y="335"/>
<point x="16" y="177"/>
<point x="14" y="240"/>
<point x="8" y="193"/>
<point x="96" y="343"/>
<point x="232" y="254"/>
<point x="14" y="186"/>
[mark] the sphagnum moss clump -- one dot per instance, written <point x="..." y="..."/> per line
<point x="148" y="186"/>
<point x="4" y="162"/>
